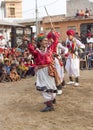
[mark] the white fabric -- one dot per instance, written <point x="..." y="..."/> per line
<point x="48" y="96"/>
<point x="90" y="40"/>
<point x="43" y="79"/>
<point x="60" y="69"/>
<point x="72" y="67"/>
<point x="2" y="43"/>
<point x="1" y="57"/>
<point x="72" y="64"/>
<point x="61" y="48"/>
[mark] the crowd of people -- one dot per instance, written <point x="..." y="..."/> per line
<point x="47" y="58"/>
<point x="83" y="13"/>
<point x="15" y="64"/>
<point x="87" y="40"/>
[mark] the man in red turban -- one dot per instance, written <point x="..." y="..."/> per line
<point x="70" y="32"/>
<point x="53" y="36"/>
<point x="72" y="62"/>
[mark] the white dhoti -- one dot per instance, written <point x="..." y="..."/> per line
<point x="60" y="69"/>
<point x="43" y="79"/>
<point x="72" y="67"/>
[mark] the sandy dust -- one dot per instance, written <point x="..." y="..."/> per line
<point x="20" y="106"/>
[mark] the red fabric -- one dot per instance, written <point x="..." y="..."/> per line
<point x="53" y="35"/>
<point x="39" y="57"/>
<point x="2" y="37"/>
<point x="89" y="34"/>
<point x="1" y="50"/>
<point x="70" y="32"/>
<point x="66" y="55"/>
<point x="53" y="47"/>
<point x="32" y="65"/>
<point x="73" y="46"/>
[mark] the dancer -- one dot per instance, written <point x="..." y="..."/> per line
<point x="61" y="51"/>
<point x="53" y="38"/>
<point x="72" y="62"/>
<point x="45" y="71"/>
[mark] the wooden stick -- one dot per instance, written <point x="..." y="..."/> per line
<point x="49" y="17"/>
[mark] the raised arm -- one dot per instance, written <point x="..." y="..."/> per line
<point x="32" y="49"/>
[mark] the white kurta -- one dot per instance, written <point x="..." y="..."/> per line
<point x="72" y="63"/>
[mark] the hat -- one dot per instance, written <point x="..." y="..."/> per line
<point x="70" y="32"/>
<point x="40" y="37"/>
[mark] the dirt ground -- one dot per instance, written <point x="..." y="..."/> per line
<point x="20" y="106"/>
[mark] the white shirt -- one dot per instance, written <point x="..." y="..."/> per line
<point x="90" y="40"/>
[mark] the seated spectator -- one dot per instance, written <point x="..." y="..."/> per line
<point x="2" y="73"/>
<point x="30" y="66"/>
<point x="7" y="68"/>
<point x="77" y="36"/>
<point x="13" y="73"/>
<point x="10" y="57"/>
<point x="77" y="13"/>
<point x="90" y="56"/>
<point x="22" y="69"/>
<point x="89" y="38"/>
<point x="83" y="38"/>
<point x="7" y="65"/>
<point x="18" y="59"/>
<point x="82" y="13"/>
<point x="87" y="13"/>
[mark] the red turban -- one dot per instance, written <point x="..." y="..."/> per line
<point x="70" y="32"/>
<point x="89" y="34"/>
<point x="53" y="36"/>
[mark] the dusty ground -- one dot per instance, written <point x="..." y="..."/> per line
<point x="20" y="106"/>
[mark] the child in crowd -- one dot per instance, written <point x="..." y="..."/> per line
<point x="2" y="73"/>
<point x="22" y="69"/>
<point x="13" y="73"/>
<point x="30" y="66"/>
